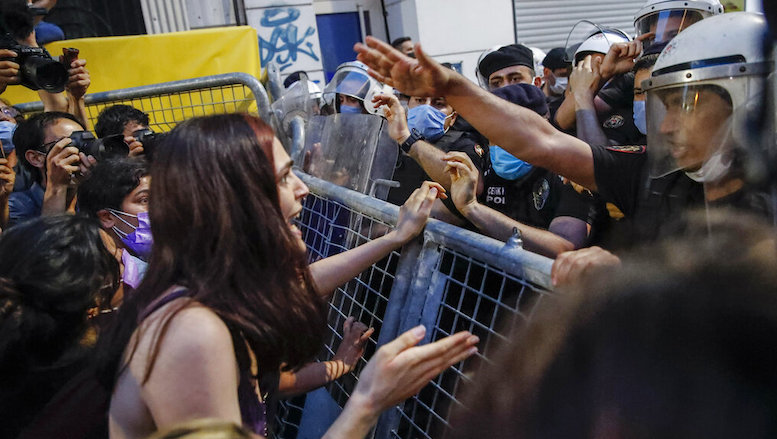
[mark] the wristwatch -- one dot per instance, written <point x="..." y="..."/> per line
<point x="415" y="136"/>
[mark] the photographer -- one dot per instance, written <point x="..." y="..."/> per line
<point x="45" y="75"/>
<point x="43" y="144"/>
<point x="125" y="120"/>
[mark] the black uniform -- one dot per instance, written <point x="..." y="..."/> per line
<point x="410" y="174"/>
<point x="654" y="207"/>
<point x="536" y="199"/>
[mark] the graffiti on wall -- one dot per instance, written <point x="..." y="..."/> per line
<point x="286" y="42"/>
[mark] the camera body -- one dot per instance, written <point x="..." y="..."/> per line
<point x="37" y="69"/>
<point x="149" y="139"/>
<point x="108" y="146"/>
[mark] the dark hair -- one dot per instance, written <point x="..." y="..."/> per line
<point x="397" y="43"/>
<point x="17" y="19"/>
<point x="112" y="120"/>
<point x="676" y="344"/>
<point x="645" y="62"/>
<point x="29" y="135"/>
<point x="52" y="270"/>
<point x="219" y="231"/>
<point x="109" y="183"/>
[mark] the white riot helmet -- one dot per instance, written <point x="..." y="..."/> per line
<point x="599" y="42"/>
<point x="701" y="92"/>
<point x="667" y="18"/>
<point x="483" y="81"/>
<point x="539" y="55"/>
<point x="351" y="79"/>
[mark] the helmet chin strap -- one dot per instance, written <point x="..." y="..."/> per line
<point x="712" y="170"/>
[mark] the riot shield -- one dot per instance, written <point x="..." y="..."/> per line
<point x="299" y="102"/>
<point x="350" y="150"/>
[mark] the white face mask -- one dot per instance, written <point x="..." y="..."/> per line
<point x="560" y="86"/>
<point x="712" y="170"/>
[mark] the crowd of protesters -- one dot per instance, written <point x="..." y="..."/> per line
<point x="159" y="286"/>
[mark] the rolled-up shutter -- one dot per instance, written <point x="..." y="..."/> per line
<point x="546" y="23"/>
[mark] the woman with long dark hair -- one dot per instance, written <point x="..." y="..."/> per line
<point x="228" y="299"/>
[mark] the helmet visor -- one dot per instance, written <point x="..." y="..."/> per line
<point x="666" y="24"/>
<point x="687" y="126"/>
<point x="350" y="82"/>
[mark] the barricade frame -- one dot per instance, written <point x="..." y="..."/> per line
<point x="169" y="89"/>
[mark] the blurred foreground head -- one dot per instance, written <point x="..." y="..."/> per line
<point x="679" y="343"/>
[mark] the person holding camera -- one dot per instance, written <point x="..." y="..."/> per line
<point x="125" y="120"/>
<point x="44" y="144"/>
<point x="41" y="72"/>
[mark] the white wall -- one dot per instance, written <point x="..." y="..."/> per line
<point x="459" y="30"/>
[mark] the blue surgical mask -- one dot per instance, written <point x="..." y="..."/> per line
<point x="139" y="241"/>
<point x="429" y="121"/>
<point x="506" y="165"/>
<point x="640" y="120"/>
<point x="6" y="135"/>
<point x="347" y="109"/>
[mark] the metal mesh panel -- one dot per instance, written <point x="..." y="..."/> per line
<point x="457" y="281"/>
<point x="328" y="228"/>
<point x="167" y="110"/>
<point x="475" y="297"/>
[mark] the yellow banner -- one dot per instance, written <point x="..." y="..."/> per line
<point x="130" y="61"/>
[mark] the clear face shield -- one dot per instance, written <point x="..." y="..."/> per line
<point x="668" y="23"/>
<point x="348" y="81"/>
<point x="698" y="128"/>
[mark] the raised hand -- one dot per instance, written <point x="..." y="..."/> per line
<point x="421" y="76"/>
<point x="395" y="115"/>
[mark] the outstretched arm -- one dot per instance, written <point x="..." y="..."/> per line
<point x="520" y="131"/>
<point x="398" y="371"/>
<point x="494" y="223"/>
<point x="331" y="272"/>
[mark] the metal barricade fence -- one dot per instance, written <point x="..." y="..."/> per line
<point x="450" y="280"/>
<point x="169" y="103"/>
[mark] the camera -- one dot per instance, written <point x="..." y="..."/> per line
<point x="108" y="146"/>
<point x="37" y="69"/>
<point x="149" y="139"/>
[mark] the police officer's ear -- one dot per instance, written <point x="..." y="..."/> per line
<point x="451" y="120"/>
<point x="538" y="81"/>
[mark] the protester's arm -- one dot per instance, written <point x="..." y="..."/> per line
<point x="7" y="179"/>
<point x="492" y="222"/>
<point x="314" y="375"/>
<point x="329" y="273"/>
<point x="397" y="371"/>
<point x="518" y="130"/>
